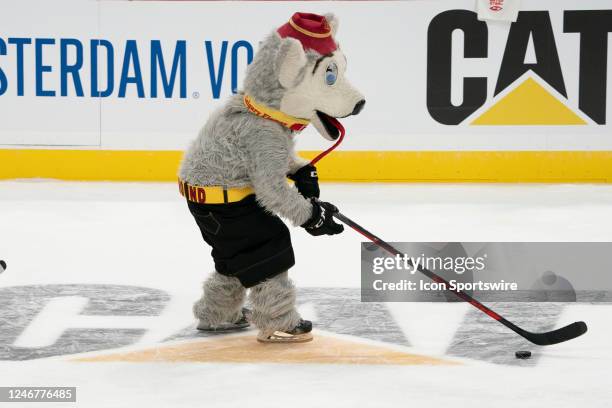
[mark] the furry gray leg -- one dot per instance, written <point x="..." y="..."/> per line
<point x="221" y="302"/>
<point x="273" y="304"/>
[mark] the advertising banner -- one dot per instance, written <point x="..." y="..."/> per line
<point x="145" y="75"/>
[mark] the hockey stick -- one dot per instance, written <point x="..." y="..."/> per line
<point x="541" y="339"/>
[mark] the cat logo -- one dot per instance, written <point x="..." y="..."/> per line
<point x="530" y="88"/>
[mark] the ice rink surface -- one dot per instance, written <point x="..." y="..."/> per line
<point x="101" y="278"/>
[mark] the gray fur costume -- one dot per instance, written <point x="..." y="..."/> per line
<point x="237" y="148"/>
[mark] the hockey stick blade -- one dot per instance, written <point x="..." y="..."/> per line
<point x="566" y="333"/>
<point x="569" y="332"/>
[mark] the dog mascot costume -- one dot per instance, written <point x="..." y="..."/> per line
<point x="234" y="177"/>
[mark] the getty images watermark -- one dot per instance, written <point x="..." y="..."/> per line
<point x="456" y="265"/>
<point x="499" y="271"/>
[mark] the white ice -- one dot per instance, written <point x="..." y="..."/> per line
<point x="142" y="234"/>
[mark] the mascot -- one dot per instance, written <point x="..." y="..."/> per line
<point x="234" y="177"/>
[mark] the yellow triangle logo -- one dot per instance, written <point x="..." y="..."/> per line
<point x="246" y="349"/>
<point x="528" y="104"/>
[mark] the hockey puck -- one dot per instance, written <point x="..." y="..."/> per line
<point x="523" y="354"/>
<point x="2" y="266"/>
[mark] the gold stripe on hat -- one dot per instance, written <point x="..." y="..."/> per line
<point x="308" y="33"/>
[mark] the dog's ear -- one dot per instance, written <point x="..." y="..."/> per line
<point x="333" y="22"/>
<point x="291" y="60"/>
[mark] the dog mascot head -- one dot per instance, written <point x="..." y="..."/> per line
<point x="299" y="70"/>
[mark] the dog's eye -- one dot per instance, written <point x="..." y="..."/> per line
<point x="331" y="74"/>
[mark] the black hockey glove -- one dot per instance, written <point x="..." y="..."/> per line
<point x="306" y="181"/>
<point x="322" y="221"/>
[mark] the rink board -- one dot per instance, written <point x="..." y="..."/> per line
<point x="357" y="166"/>
<point x="128" y="85"/>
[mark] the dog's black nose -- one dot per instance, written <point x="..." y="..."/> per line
<point x="358" y="107"/>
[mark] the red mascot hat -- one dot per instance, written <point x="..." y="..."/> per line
<point x="312" y="30"/>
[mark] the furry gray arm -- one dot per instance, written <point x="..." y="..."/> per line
<point x="296" y="162"/>
<point x="269" y="156"/>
